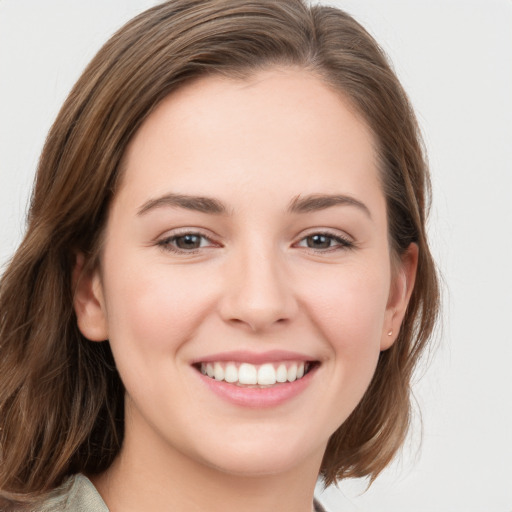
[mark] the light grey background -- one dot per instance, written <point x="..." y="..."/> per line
<point x="455" y="59"/>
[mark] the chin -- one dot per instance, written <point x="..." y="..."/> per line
<point x="245" y="457"/>
<point x="249" y="466"/>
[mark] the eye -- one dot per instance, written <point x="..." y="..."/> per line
<point x="325" y="242"/>
<point x="185" y="242"/>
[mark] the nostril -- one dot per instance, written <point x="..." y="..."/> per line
<point x="257" y="321"/>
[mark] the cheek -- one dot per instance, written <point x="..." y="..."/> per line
<point x="343" y="307"/>
<point x="348" y="308"/>
<point x="350" y="305"/>
<point x="158" y="309"/>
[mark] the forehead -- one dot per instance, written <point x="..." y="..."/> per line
<point x="280" y="129"/>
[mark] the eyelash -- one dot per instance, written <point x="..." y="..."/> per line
<point x="168" y="243"/>
<point x="340" y="243"/>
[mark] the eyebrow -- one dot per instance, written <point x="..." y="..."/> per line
<point x="196" y="203"/>
<point x="317" y="202"/>
<point x="300" y="204"/>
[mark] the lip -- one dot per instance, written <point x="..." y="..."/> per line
<point x="256" y="358"/>
<point x="256" y="397"/>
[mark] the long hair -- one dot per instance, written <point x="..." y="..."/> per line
<point x="61" y="398"/>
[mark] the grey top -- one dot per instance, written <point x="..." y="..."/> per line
<point x="78" y="494"/>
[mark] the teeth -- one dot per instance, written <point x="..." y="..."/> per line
<point x="247" y="374"/>
<point x="231" y="374"/>
<point x="267" y="374"/>
<point x="292" y="373"/>
<point x="282" y="373"/>
<point x="218" y="372"/>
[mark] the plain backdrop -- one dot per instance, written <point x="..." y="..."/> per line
<point x="454" y="58"/>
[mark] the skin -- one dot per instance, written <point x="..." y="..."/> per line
<point x="254" y="284"/>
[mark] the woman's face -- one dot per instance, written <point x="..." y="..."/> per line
<point x="247" y="244"/>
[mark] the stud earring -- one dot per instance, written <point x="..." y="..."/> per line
<point x="390" y="333"/>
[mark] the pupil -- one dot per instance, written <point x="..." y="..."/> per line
<point x="319" y="242"/>
<point x="188" y="242"/>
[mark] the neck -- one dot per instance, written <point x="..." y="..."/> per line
<point x="162" y="478"/>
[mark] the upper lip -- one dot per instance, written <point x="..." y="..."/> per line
<point x="243" y="356"/>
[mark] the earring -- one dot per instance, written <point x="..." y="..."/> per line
<point x="390" y="333"/>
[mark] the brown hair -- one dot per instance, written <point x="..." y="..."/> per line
<point x="61" y="398"/>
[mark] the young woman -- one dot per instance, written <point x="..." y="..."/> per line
<point x="225" y="283"/>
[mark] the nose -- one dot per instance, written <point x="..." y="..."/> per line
<point x="259" y="293"/>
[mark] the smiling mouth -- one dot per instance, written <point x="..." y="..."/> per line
<point x="251" y="375"/>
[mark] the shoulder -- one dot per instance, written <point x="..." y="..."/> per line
<point x="77" y="494"/>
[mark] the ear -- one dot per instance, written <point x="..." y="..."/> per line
<point x="89" y="301"/>
<point x="402" y="285"/>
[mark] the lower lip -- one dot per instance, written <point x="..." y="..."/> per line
<point x="258" y="397"/>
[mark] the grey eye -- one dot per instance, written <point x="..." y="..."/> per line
<point x="188" y="241"/>
<point x="325" y="242"/>
<point x="319" y="241"/>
